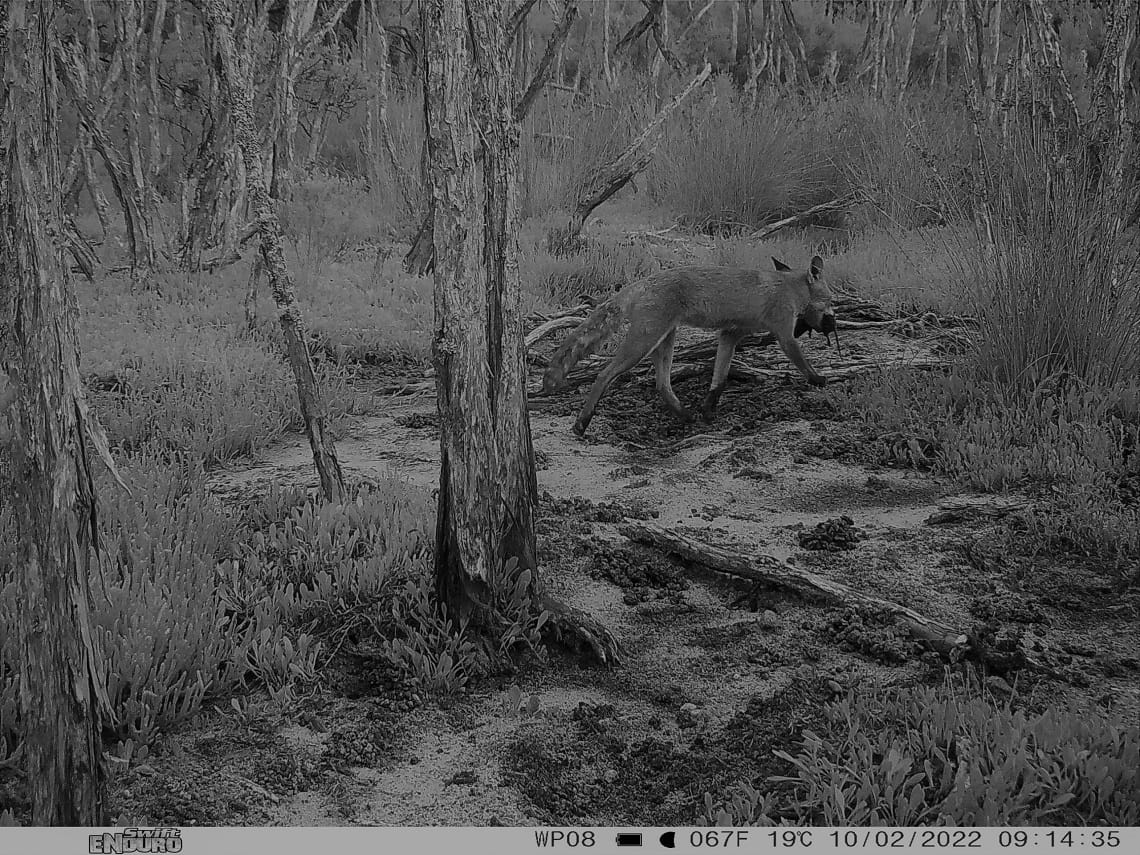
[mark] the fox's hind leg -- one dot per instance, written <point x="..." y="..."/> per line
<point x="663" y="363"/>
<point x="729" y="339"/>
<point x="637" y="345"/>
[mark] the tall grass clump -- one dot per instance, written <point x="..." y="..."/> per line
<point x="326" y="216"/>
<point x="936" y="756"/>
<point x="551" y="281"/>
<point x="730" y="166"/>
<point x="564" y="141"/>
<point x="1052" y="289"/>
<point x="910" y="158"/>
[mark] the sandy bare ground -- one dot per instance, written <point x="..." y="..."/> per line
<point x="715" y="676"/>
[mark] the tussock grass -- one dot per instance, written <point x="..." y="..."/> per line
<point x="1051" y="282"/>
<point x="551" y="281"/>
<point x="727" y="165"/>
<point x="563" y="141"/>
<point x="731" y="168"/>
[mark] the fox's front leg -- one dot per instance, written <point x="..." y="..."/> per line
<point x="792" y="349"/>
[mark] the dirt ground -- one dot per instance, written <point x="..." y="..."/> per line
<point x="716" y="674"/>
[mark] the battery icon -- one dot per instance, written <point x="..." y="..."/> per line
<point x="629" y="839"/>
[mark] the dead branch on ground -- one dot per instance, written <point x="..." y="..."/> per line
<point x="948" y="641"/>
<point x="840" y="204"/>
<point x="780" y="574"/>
<point x="569" y="318"/>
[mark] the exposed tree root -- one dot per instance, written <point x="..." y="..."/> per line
<point x="572" y="627"/>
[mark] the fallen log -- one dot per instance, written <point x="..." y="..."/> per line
<point x="839" y="204"/>
<point x="569" y="318"/>
<point x="772" y="571"/>
<point x="948" y="641"/>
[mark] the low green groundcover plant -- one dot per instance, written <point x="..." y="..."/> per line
<point x="925" y="756"/>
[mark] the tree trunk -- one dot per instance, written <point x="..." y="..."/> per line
<point x="154" y="99"/>
<point x="904" y="69"/>
<point x="237" y="84"/>
<point x="1109" y="130"/>
<point x="607" y="68"/>
<point x="644" y="24"/>
<point x="742" y="62"/>
<point x="299" y="15"/>
<point x="795" y="43"/>
<point x="61" y="689"/>
<point x="420" y="259"/>
<point x="542" y="71"/>
<point x="941" y="45"/>
<point x="128" y="28"/>
<point x="135" y="200"/>
<point x="487" y="488"/>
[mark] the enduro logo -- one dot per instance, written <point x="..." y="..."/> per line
<point x="136" y="840"/>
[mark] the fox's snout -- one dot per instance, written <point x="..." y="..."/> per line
<point x="814" y="320"/>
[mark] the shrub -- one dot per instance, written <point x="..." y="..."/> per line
<point x="1044" y="263"/>
<point x="436" y="650"/>
<point x="430" y="646"/>
<point x="209" y="391"/>
<point x="161" y="633"/>
<point x="930" y="756"/>
<point x="369" y="316"/>
<point x="9" y="676"/>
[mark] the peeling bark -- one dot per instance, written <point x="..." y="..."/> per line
<point x="420" y="259"/>
<point x="234" y="70"/>
<point x="487" y="487"/>
<point x="61" y="688"/>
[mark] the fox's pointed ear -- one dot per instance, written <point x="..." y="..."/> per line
<point x="780" y="266"/>
<point x="816" y="268"/>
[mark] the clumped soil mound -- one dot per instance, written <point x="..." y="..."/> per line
<point x="718" y="672"/>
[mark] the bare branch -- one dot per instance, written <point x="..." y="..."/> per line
<point x="542" y="73"/>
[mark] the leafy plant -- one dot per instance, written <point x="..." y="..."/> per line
<point x="514" y="705"/>
<point x="934" y="756"/>
<point x="513" y="600"/>
<point x="431" y="648"/>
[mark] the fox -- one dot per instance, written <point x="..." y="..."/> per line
<point x="732" y="300"/>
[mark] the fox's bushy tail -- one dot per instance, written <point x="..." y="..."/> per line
<point x="586" y="338"/>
